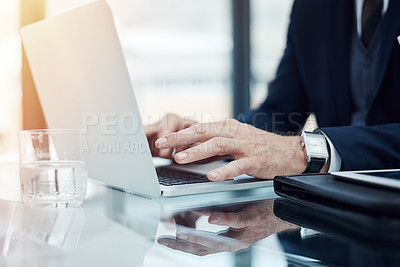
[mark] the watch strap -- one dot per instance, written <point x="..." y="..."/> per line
<point x="315" y="165"/>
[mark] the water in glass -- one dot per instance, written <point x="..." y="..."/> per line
<point x="54" y="183"/>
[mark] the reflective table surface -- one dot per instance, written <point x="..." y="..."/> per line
<point x="244" y="228"/>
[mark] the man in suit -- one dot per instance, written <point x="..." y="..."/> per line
<point x="342" y="63"/>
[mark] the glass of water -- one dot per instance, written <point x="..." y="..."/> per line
<point x="52" y="169"/>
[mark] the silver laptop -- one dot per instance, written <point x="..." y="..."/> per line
<point x="82" y="81"/>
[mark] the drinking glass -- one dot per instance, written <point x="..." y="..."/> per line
<point x="52" y="168"/>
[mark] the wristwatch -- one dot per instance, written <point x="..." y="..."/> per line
<point x="316" y="151"/>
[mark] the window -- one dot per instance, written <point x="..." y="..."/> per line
<point x="269" y="23"/>
<point x="178" y="54"/>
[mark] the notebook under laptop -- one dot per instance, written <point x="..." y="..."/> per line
<point x="82" y="81"/>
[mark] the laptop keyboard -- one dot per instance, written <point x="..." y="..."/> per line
<point x="169" y="177"/>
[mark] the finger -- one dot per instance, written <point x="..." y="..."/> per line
<point x="217" y="146"/>
<point x="187" y="219"/>
<point x="185" y="246"/>
<point x="173" y="122"/>
<point x="159" y="129"/>
<point x="231" y="170"/>
<point x="153" y="132"/>
<point x="179" y="149"/>
<point x="151" y="129"/>
<point x="203" y="212"/>
<point x="169" y="124"/>
<point x="180" y="220"/>
<point x="165" y="153"/>
<point x="236" y="220"/>
<point x="212" y="159"/>
<point x="199" y="133"/>
<point x="153" y="149"/>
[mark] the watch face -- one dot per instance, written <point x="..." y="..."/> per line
<point x="316" y="145"/>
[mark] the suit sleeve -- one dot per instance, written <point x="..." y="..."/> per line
<point x="366" y="147"/>
<point x="284" y="110"/>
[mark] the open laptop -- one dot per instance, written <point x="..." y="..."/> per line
<point x="82" y="81"/>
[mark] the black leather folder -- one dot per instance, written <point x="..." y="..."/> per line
<point x="326" y="189"/>
<point x="376" y="233"/>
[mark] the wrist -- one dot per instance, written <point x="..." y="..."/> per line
<point x="299" y="160"/>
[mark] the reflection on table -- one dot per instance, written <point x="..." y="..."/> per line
<point x="246" y="228"/>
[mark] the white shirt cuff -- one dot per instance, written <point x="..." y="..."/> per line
<point x="336" y="160"/>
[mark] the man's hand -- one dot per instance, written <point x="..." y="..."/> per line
<point x="253" y="223"/>
<point x="254" y="152"/>
<point x="247" y="226"/>
<point x="170" y="123"/>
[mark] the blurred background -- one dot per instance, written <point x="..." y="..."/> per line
<point x="205" y="60"/>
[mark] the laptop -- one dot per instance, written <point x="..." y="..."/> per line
<point x="82" y="81"/>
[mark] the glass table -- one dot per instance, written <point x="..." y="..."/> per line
<point x="243" y="228"/>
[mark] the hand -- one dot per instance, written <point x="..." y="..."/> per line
<point x="187" y="218"/>
<point x="253" y="223"/>
<point x="170" y="123"/>
<point x="255" y="152"/>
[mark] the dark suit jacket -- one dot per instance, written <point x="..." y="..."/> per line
<point x="314" y="77"/>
